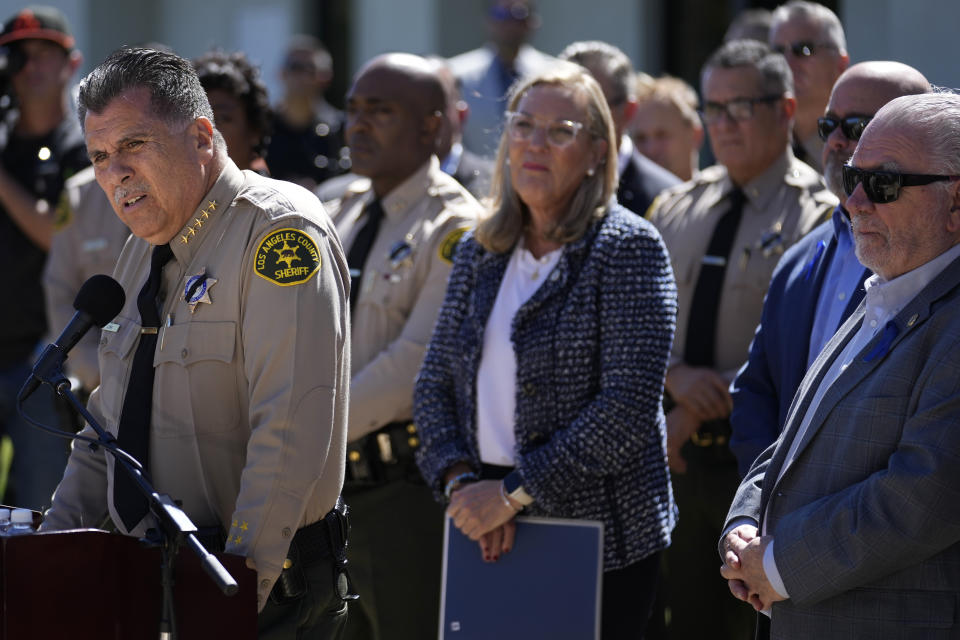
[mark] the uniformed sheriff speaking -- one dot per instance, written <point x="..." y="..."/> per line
<point x="87" y="240"/>
<point x="246" y="341"/>
<point x="400" y="225"/>
<point x="725" y="231"/>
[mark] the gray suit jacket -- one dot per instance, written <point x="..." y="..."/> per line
<point x="866" y="521"/>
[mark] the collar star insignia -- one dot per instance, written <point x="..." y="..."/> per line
<point x="197" y="290"/>
<point x="198" y="222"/>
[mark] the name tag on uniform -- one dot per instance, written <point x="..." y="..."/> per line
<point x="112" y="327"/>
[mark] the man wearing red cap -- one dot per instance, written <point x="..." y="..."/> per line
<point x="40" y="146"/>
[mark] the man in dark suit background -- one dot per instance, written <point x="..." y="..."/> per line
<point x="641" y="179"/>
<point x="819" y="281"/>
<point x="850" y="525"/>
<point x="469" y="169"/>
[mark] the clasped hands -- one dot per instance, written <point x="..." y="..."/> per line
<point x="742" y="567"/>
<point x="479" y="511"/>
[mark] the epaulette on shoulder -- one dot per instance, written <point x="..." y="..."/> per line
<point x="710" y="174"/>
<point x="355" y="188"/>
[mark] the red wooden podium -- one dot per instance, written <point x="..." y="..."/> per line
<point x="93" y="584"/>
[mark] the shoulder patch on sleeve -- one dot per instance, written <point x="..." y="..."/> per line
<point x="287" y="257"/>
<point x="449" y="245"/>
<point x="63" y="215"/>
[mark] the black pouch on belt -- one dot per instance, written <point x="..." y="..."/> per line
<point x="292" y="583"/>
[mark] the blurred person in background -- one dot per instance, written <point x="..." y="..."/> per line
<point x="487" y="73"/>
<point x="640" y="179"/>
<point x="540" y="391"/>
<point x="241" y="109"/>
<point x="466" y="167"/>
<point x="811" y="37"/>
<point x="469" y="169"/>
<point x="819" y="282"/>
<point x="750" y="24"/>
<point x="306" y="145"/>
<point x="87" y="240"/>
<point x="40" y="147"/>
<point x="666" y="127"/>
<point x="400" y="225"/>
<point x="725" y="231"/>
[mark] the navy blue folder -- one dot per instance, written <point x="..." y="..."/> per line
<point x="548" y="586"/>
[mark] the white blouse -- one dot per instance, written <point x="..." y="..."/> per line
<point x="497" y="375"/>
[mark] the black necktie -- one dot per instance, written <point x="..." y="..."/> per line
<point x="360" y="248"/>
<point x="702" y="324"/>
<point x="134" y="429"/>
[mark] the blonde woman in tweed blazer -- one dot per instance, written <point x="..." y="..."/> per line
<point x="547" y="362"/>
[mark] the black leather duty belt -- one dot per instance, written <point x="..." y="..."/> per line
<point x="383" y="456"/>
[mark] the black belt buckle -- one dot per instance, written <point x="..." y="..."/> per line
<point x="384" y="456"/>
<point x="710" y="445"/>
<point x="713" y="433"/>
<point x="403" y="439"/>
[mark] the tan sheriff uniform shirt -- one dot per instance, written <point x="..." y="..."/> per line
<point x="87" y="241"/>
<point x="251" y="386"/>
<point x="783" y="203"/>
<point x="403" y="285"/>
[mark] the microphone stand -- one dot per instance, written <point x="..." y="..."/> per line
<point x="175" y="527"/>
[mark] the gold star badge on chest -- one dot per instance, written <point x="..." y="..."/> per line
<point x="197" y="290"/>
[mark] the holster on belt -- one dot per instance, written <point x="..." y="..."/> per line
<point x="312" y="544"/>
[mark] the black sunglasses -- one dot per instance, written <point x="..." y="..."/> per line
<point x="882" y="187"/>
<point x="852" y="127"/>
<point x="802" y="49"/>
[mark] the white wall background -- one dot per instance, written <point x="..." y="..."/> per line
<point x="921" y="33"/>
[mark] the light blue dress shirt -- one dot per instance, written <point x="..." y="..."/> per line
<point x="839" y="283"/>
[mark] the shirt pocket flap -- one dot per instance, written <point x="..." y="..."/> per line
<point x="194" y="342"/>
<point x="119" y="342"/>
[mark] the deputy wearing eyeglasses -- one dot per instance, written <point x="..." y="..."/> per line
<point x="400" y="224"/>
<point x="819" y="281"/>
<point x="811" y="37"/>
<point x="850" y="525"/>
<point x="725" y="230"/>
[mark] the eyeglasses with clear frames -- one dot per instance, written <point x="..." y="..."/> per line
<point x="738" y="109"/>
<point x="559" y="133"/>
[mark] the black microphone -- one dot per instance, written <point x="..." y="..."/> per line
<point x="99" y="300"/>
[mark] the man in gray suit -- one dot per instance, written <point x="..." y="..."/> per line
<point x="849" y="525"/>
